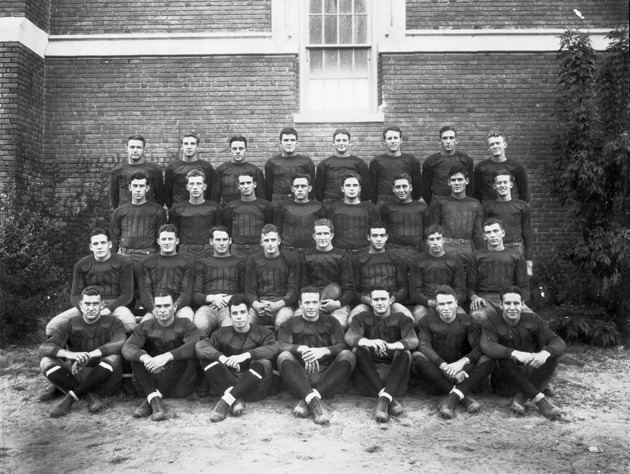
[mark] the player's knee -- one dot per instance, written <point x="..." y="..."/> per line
<point x="285" y="356"/>
<point x="46" y="363"/>
<point x="347" y="356"/>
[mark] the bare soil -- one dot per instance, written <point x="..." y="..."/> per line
<point x="592" y="386"/>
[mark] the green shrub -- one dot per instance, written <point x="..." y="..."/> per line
<point x="580" y="323"/>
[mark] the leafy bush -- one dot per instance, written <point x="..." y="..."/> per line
<point x="580" y="323"/>
<point x="32" y="268"/>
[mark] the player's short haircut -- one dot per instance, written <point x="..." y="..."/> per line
<point x="167" y="228"/>
<point x="446" y="290"/>
<point x="247" y="173"/>
<point x="237" y="300"/>
<point x="511" y="289"/>
<point x="503" y="172"/>
<point x="91" y="290"/>
<point x="491" y="221"/>
<point x="238" y="138"/>
<point x="305" y="176"/>
<point x="136" y="137"/>
<point x="380" y="288"/>
<point x="447" y="128"/>
<point x="163" y="292"/>
<point x="100" y="231"/>
<point x="401" y="176"/>
<point x="342" y="131"/>
<point x="377" y="225"/>
<point x="219" y="228"/>
<point x="309" y="289"/>
<point x="191" y="134"/>
<point x="288" y="131"/>
<point x="351" y="174"/>
<point x="138" y="175"/>
<point x="434" y="229"/>
<point x="496" y="133"/>
<point x="324" y="222"/>
<point x="457" y="170"/>
<point x="392" y="128"/>
<point x="196" y="174"/>
<point x="267" y="228"/>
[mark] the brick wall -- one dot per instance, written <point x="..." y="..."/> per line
<point x="36" y="11"/>
<point x="21" y="118"/>
<point x="473" y="14"/>
<point x="512" y="92"/>
<point x="126" y="16"/>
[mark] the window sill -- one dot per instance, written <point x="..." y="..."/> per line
<point x="338" y="117"/>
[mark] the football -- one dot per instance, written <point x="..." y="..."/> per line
<point x="332" y="291"/>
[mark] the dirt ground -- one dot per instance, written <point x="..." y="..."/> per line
<point x="592" y="386"/>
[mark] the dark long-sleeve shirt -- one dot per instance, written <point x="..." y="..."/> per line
<point x="259" y="341"/>
<point x="225" y="187"/>
<point x="352" y="223"/>
<point x="194" y="221"/>
<point x="320" y="268"/>
<point x="383" y="168"/>
<point x="175" y="180"/>
<point x="427" y="272"/>
<point x="172" y="272"/>
<point x="380" y="270"/>
<point x="449" y="342"/>
<point x="435" y="173"/>
<point x="484" y="179"/>
<point x="516" y="218"/>
<point x="149" y="337"/>
<point x="113" y="277"/>
<point x="245" y="219"/>
<point x="136" y="226"/>
<point x="325" y="332"/>
<point x="295" y="222"/>
<point x="461" y="218"/>
<point x="330" y="173"/>
<point x="272" y="277"/>
<point x="280" y="171"/>
<point x="119" y="183"/>
<point x="107" y="334"/>
<point x="404" y="222"/>
<point x="492" y="272"/>
<point x="215" y="275"/>
<point x="531" y="334"/>
<point x="393" y="328"/>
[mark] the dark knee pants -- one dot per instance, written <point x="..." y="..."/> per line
<point x="178" y="378"/>
<point x="435" y="381"/>
<point x="252" y="384"/>
<point x="374" y="374"/>
<point x="509" y="377"/>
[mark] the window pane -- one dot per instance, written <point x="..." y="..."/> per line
<point x="345" y="62"/>
<point x="331" y="6"/>
<point x="316" y="60"/>
<point x="316" y="95"/>
<point x="345" y="6"/>
<point x="331" y="99"/>
<point x="360" y="6"/>
<point x="361" y="61"/>
<point x="315" y="29"/>
<point x="360" y="25"/>
<point x="331" y="66"/>
<point x="345" y="29"/>
<point x="316" y="6"/>
<point x="330" y="29"/>
<point x="361" y="93"/>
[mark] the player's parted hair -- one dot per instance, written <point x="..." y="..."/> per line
<point x="309" y="289"/>
<point x="305" y="176"/>
<point x="162" y="292"/>
<point x="377" y="225"/>
<point x="237" y="300"/>
<point x="100" y="231"/>
<point x="401" y="176"/>
<point x="167" y="228"/>
<point x="238" y="138"/>
<point x="247" y="173"/>
<point x="380" y="288"/>
<point x="447" y="128"/>
<point x="324" y="222"/>
<point x="491" y="221"/>
<point x="342" y="131"/>
<point x="138" y="175"/>
<point x="503" y="172"/>
<point x="219" y="228"/>
<point x="267" y="228"/>
<point x="351" y="174"/>
<point x="434" y="229"/>
<point x="192" y="134"/>
<point x="196" y="174"/>
<point x="136" y="137"/>
<point x="392" y="128"/>
<point x="511" y="289"/>
<point x="458" y="170"/>
<point x="446" y="290"/>
<point x="496" y="133"/>
<point x="288" y="131"/>
<point x="91" y="291"/>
